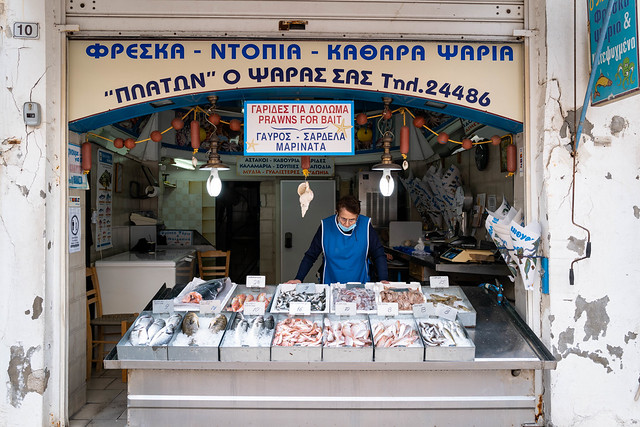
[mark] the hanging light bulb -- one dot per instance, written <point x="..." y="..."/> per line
<point x="214" y="184"/>
<point x="386" y="183"/>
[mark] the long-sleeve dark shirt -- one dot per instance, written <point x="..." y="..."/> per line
<point x="376" y="253"/>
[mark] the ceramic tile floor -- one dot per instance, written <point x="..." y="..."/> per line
<point x="106" y="401"/>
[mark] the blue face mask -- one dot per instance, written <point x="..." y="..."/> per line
<point x="346" y="229"/>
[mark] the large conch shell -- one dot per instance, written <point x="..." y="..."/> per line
<point x="306" y="196"/>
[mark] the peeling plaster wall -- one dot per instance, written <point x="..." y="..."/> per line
<point x="591" y="327"/>
<point x="30" y="311"/>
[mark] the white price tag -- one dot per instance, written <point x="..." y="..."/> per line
<point x="446" y="312"/>
<point x="162" y="306"/>
<point x="309" y="288"/>
<point x="253" y="308"/>
<point x="210" y="306"/>
<point x="300" y="308"/>
<point x="256" y="281"/>
<point x="387" y="309"/>
<point x="423" y="310"/>
<point x="345" y="308"/>
<point x="439" y="281"/>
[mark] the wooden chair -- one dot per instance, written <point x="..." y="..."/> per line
<point x="99" y="322"/>
<point x="210" y="264"/>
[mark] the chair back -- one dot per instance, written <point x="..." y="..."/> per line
<point x="93" y="293"/>
<point x="213" y="264"/>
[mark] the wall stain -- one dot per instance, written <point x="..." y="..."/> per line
<point x="27" y="312"/>
<point x="597" y="317"/>
<point x="593" y="356"/>
<point x="608" y="175"/>
<point x="636" y="212"/>
<point x="43" y="194"/>
<point x="37" y="307"/>
<point x="565" y="339"/>
<point x="618" y="124"/>
<point x="630" y="336"/>
<point x="576" y="245"/>
<point x="23" y="379"/>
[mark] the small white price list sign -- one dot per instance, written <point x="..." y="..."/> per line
<point x="162" y="306"/>
<point x="256" y="281"/>
<point x="210" y="306"/>
<point x="387" y="309"/>
<point x="439" y="281"/>
<point x="446" y="312"/>
<point x="424" y="310"/>
<point x="253" y="308"/>
<point x="298" y="308"/>
<point x="345" y="308"/>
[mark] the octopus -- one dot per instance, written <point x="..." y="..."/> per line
<point x="405" y="297"/>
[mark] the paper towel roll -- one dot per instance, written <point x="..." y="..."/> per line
<point x="151" y="191"/>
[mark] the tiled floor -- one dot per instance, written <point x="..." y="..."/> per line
<point x="106" y="401"/>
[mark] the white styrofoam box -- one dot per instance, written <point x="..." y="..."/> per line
<point x="286" y="287"/>
<point x="467" y="318"/>
<point x="462" y="352"/>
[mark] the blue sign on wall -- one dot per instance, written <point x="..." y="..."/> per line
<point x="617" y="73"/>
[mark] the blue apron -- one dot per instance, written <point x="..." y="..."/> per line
<point x="345" y="255"/>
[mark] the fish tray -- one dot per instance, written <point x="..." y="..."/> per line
<point x="269" y="290"/>
<point x="398" y="285"/>
<point x="178" y="348"/>
<point x="127" y="351"/>
<point x="347" y="354"/>
<point x="286" y="287"/>
<point x="224" y="296"/>
<point x="371" y="287"/>
<point x="413" y="353"/>
<point x="455" y="353"/>
<point x="233" y="351"/>
<point x="297" y="353"/>
<point x="466" y="318"/>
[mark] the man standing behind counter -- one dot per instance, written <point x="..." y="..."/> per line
<point x="346" y="240"/>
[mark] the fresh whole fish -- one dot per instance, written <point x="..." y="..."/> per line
<point x="144" y="320"/>
<point x="404" y="297"/>
<point x="251" y="332"/>
<point x="163" y="336"/>
<point x="237" y="303"/>
<point x="318" y="300"/>
<point x="190" y="324"/>
<point x="297" y="332"/>
<point x="155" y="327"/>
<point x="450" y="300"/>
<point x="218" y="323"/>
<point x="393" y="333"/>
<point x="139" y="336"/>
<point x="269" y="322"/>
<point x="175" y="320"/>
<point x="208" y="290"/>
<point x="350" y="333"/>
<point x="443" y="333"/>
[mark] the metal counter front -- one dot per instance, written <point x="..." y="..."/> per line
<point x="497" y="388"/>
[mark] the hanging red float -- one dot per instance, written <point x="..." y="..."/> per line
<point x="495" y="140"/>
<point x="156" y="136"/>
<point x="118" y="142"/>
<point x="386" y="114"/>
<point x="419" y="121"/>
<point x="235" y="125"/>
<point x="86" y="157"/>
<point x="195" y="134"/>
<point x="404" y="140"/>
<point x="512" y="162"/>
<point x="467" y="143"/>
<point x="129" y="143"/>
<point x="443" y="137"/>
<point x="305" y="162"/>
<point x="214" y="119"/>
<point x="361" y="119"/>
<point x="177" y="123"/>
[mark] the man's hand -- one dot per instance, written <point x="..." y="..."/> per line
<point x="294" y="281"/>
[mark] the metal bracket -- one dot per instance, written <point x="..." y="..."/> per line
<point x="67" y="28"/>
<point x="525" y="33"/>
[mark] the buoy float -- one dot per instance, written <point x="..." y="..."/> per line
<point x="361" y="119"/>
<point x="156" y="136"/>
<point x="129" y="143"/>
<point x="86" y="157"/>
<point x="235" y="125"/>
<point x="467" y="143"/>
<point x="177" y="123"/>
<point x="118" y="142"/>
<point x="512" y="163"/>
<point x="443" y="137"/>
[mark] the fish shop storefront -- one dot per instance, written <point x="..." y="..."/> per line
<point x="496" y="375"/>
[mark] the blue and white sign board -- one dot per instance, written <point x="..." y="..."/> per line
<point x="298" y="128"/>
<point x="77" y="179"/>
<point x="617" y="73"/>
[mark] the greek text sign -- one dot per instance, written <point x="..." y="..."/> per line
<point x="302" y="127"/>
<point x="283" y="166"/>
<point x="617" y="73"/>
<point x="108" y="75"/>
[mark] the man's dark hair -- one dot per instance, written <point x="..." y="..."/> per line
<point x="350" y="203"/>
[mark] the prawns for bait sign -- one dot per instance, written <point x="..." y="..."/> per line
<point x="298" y="128"/>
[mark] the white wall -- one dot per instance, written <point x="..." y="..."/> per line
<point x="593" y="326"/>
<point x="32" y="201"/>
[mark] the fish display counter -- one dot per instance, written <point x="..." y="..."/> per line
<point x="362" y="366"/>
